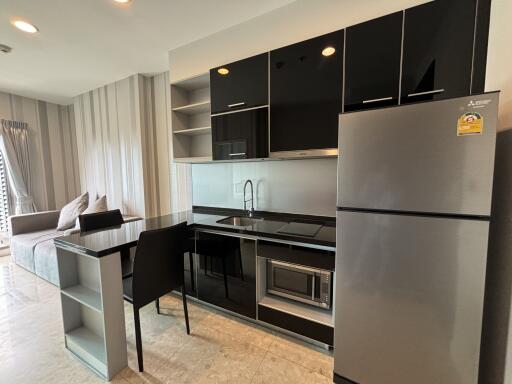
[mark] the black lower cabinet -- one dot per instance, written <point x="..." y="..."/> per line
<point x="226" y="272"/>
<point x="190" y="278"/>
<point x="299" y="325"/>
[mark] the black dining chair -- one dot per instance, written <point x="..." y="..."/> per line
<point x="104" y="220"/>
<point x="100" y="220"/>
<point x="158" y="269"/>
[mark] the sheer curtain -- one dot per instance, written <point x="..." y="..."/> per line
<point x="14" y="147"/>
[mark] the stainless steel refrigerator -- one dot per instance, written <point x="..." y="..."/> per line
<point x="414" y="203"/>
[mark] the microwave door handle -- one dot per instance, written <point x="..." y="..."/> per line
<point x="294" y="266"/>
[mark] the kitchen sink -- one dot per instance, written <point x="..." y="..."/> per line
<point x="239" y="221"/>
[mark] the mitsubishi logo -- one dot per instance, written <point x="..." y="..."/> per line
<point x="478" y="103"/>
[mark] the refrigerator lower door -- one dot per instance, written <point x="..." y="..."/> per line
<point x="409" y="298"/>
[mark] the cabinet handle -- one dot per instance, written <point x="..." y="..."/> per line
<point x="237" y="154"/>
<point x="376" y="100"/>
<point x="426" y="93"/>
<point x="236" y="104"/>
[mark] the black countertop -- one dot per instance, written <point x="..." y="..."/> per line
<point x="105" y="242"/>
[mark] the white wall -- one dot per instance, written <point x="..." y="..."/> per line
<point x="52" y="145"/>
<point x="292" y="23"/>
<point x="156" y="144"/>
<point x="123" y="145"/>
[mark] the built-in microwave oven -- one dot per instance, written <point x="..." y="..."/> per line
<point x="300" y="283"/>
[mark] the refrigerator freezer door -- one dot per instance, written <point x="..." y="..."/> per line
<point x="411" y="158"/>
<point x="409" y="298"/>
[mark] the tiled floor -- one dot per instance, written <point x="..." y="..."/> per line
<point x="220" y="349"/>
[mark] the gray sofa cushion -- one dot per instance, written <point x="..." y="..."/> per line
<point x="45" y="261"/>
<point x="71" y="211"/>
<point x="23" y="246"/>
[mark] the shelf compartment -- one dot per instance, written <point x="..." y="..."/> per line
<point x="88" y="347"/>
<point x="194" y="131"/>
<point x="194" y="83"/>
<point x="305" y="311"/>
<point x="194" y="108"/>
<point x="85" y="296"/>
<point x="295" y="324"/>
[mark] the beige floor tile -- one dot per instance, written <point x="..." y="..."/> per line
<point x="276" y="370"/>
<point x="302" y="353"/>
<point x="212" y="357"/>
<point x="220" y="349"/>
<point x="240" y="329"/>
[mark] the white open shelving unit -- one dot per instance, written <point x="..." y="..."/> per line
<point x="92" y="310"/>
<point x="191" y="122"/>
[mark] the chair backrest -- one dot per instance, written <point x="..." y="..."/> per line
<point x="158" y="265"/>
<point x="100" y="220"/>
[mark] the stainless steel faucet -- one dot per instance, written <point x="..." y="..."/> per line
<point x="249" y="211"/>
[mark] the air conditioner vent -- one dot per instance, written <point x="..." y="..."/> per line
<point x="5" y="48"/>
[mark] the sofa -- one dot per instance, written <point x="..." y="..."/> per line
<point x="32" y="244"/>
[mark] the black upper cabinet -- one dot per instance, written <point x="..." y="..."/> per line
<point x="240" y="135"/>
<point x="438" y="49"/>
<point x="305" y="94"/>
<point x="244" y="86"/>
<point x="372" y="63"/>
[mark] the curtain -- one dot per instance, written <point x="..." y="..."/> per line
<point x="14" y="147"/>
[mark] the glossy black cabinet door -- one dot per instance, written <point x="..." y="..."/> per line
<point x="244" y="86"/>
<point x="305" y="94"/>
<point x="372" y="63"/>
<point x="438" y="49"/>
<point x="240" y="135"/>
<point x="227" y="272"/>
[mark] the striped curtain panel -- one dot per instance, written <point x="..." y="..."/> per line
<point x="14" y="147"/>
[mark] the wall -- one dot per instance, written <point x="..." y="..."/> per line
<point x="293" y="186"/>
<point x="52" y="145"/>
<point x="295" y="22"/>
<point x="156" y="144"/>
<point x="123" y="144"/>
<point x="497" y="341"/>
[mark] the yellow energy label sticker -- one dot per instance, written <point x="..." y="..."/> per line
<point x="470" y="123"/>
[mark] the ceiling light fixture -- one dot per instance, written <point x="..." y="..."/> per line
<point x="25" y="26"/>
<point x="223" y="71"/>
<point x="328" y="51"/>
<point x="123" y="1"/>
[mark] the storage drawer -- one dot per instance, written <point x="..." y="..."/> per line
<point x="311" y="257"/>
<point x="299" y="325"/>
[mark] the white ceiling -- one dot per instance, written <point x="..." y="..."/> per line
<point x="84" y="44"/>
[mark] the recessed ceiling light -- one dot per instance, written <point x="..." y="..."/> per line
<point x="25" y="26"/>
<point x="223" y="71"/>
<point x="328" y="51"/>
<point x="123" y="1"/>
